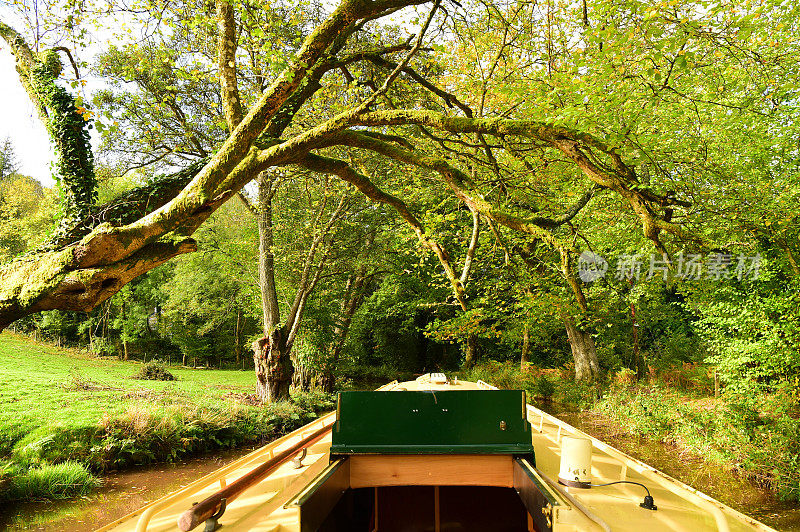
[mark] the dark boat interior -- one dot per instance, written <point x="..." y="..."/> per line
<point x="428" y="508"/>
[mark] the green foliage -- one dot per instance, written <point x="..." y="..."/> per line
<point x="154" y="371"/>
<point x="28" y="215"/>
<point x="153" y="90"/>
<point x="505" y="375"/>
<point x="6" y="475"/>
<point x="543" y="388"/>
<point x="386" y="330"/>
<point x="211" y="306"/>
<point x="752" y="329"/>
<point x="59" y="481"/>
<point x="8" y="159"/>
<point x="68" y="125"/>
<point x="642" y="410"/>
<point x="757" y="435"/>
<point x="61" y="326"/>
<point x="540" y="384"/>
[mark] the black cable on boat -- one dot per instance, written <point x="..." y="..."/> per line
<point x="648" y="502"/>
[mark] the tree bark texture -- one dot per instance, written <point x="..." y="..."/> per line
<point x="273" y="366"/>
<point x="271" y="355"/>
<point x="526" y="346"/>
<point x="584" y="353"/>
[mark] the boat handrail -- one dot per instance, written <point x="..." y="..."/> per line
<point x="218" y="475"/>
<point x="485" y="385"/>
<point x="204" y="509"/>
<point x="388" y="386"/>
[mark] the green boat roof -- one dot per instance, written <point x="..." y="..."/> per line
<point x="432" y="422"/>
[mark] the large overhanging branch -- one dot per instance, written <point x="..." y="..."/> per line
<point x="119" y="242"/>
<point x="51" y="281"/>
<point x="462" y="185"/>
<point x="89" y="271"/>
<point x="130" y="206"/>
<point x="583" y="149"/>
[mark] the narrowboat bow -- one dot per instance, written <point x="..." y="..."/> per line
<point x="439" y="456"/>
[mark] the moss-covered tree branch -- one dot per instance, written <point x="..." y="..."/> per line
<point x="587" y="152"/>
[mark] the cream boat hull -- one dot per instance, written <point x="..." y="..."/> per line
<point x="269" y="504"/>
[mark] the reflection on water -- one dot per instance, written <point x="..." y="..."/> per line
<point x="121" y="494"/>
<point x="711" y="479"/>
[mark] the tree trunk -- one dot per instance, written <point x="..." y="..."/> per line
<point x="526" y="346"/>
<point x="273" y="368"/>
<point x="351" y="301"/>
<point x="305" y="378"/>
<point x="271" y="355"/>
<point x="470" y="351"/>
<point x="638" y="360"/>
<point x="581" y="343"/>
<point x="237" y="341"/>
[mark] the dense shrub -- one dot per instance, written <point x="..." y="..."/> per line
<point x="506" y="375"/>
<point x="546" y="384"/>
<point x="60" y="481"/>
<point x="758" y="435"/>
<point x="154" y="371"/>
<point x="543" y="388"/>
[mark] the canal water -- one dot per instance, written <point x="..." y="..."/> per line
<point x="126" y="491"/>
<point x="121" y="493"/>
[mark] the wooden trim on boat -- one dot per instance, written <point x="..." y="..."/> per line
<point x="374" y="470"/>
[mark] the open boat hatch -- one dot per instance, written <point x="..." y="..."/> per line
<point x="423" y="460"/>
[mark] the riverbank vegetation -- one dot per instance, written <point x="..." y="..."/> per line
<point x="67" y="417"/>
<point x="753" y="435"/>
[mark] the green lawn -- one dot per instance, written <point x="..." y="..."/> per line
<point x="60" y="405"/>
<point x="42" y="385"/>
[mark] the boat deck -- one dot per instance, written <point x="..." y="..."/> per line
<point x="264" y="507"/>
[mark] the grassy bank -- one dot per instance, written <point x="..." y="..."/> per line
<point x="65" y="416"/>
<point x="758" y="436"/>
<point x="755" y="434"/>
